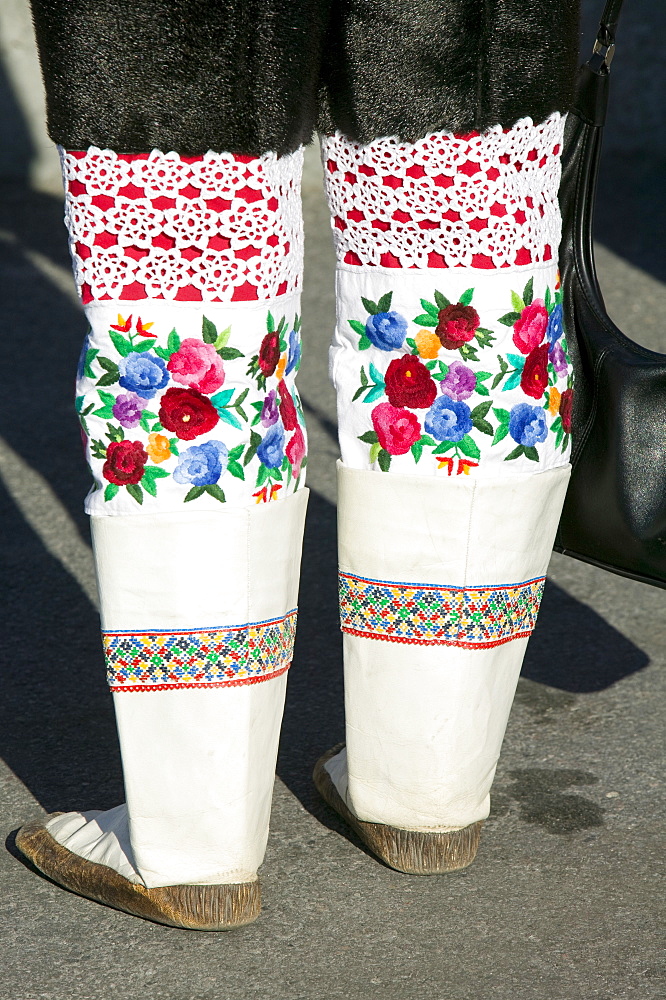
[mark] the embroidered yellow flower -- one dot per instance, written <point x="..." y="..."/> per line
<point x="428" y="343"/>
<point x="554" y="397"/>
<point x="282" y="364"/>
<point x="158" y="447"/>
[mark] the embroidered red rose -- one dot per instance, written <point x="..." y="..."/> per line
<point x="534" y="380"/>
<point x="287" y="407"/>
<point x="566" y="406"/>
<point x="457" y="325"/>
<point x="197" y="365"/>
<point x="269" y="354"/>
<point x="409" y="383"/>
<point x="397" y="430"/>
<point x="125" y="461"/>
<point x="187" y="413"/>
<point x="530" y="329"/>
<point x="295" y="451"/>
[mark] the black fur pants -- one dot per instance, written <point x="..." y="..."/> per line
<point x="255" y="75"/>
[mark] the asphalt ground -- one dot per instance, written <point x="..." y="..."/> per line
<point x="565" y="899"/>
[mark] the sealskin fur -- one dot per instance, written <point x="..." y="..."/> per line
<point x="249" y="76"/>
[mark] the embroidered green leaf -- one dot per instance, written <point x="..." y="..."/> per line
<point x="98" y="449"/>
<point x="417" y="450"/>
<point x="143" y="345"/>
<point x="513" y="381"/>
<point x="222" y="399"/>
<point x="121" y="344"/>
<point x="208" y="331"/>
<point x="384" y="460"/>
<point x="370" y="437"/>
<point x="214" y="491"/>
<point x="364" y="377"/>
<point x="270" y="322"/>
<point x="558" y="298"/>
<point x="108" y="365"/>
<point x="556" y="424"/>
<point x="230" y="353"/>
<point x="359" y="392"/>
<point x="144" y="422"/>
<point x="194" y="493"/>
<point x="173" y="445"/>
<point x="501" y="433"/>
<point x="229" y="418"/>
<point x="370" y="306"/>
<point x="275" y="474"/>
<point x="374" y="451"/>
<point x="480" y="411"/>
<point x="357" y="327"/>
<point x="105" y="412"/>
<point x="469" y="447"/>
<point x="157" y="427"/>
<point x="565" y="442"/>
<point x="173" y="342"/>
<point x="484" y="426"/>
<point x="427" y="441"/>
<point x="516" y="453"/>
<point x="376" y="375"/>
<point x="509" y="319"/>
<point x="376" y="392"/>
<point x="87" y="410"/>
<point x="441" y="300"/>
<point x="548" y="299"/>
<point x="531" y="453"/>
<point x="425" y="319"/>
<point x="411" y="344"/>
<point x="154" y="472"/>
<point x="442" y="448"/>
<point x="502" y="415"/>
<point x="91" y="354"/>
<point x="430" y="308"/>
<point x="466" y="297"/>
<point x="384" y="303"/>
<point x="484" y="337"/>
<point x="222" y="339"/>
<point x="108" y="379"/>
<point x="440" y="376"/>
<point x="255" y="441"/>
<point x="282" y="325"/>
<point x="115" y="433"/>
<point x="468" y="352"/>
<point x="517" y="302"/>
<point x="236" y="469"/>
<point x="111" y="491"/>
<point x="364" y="343"/>
<point x="135" y="492"/>
<point x="162" y="353"/>
<point x="528" y="293"/>
<point x="482" y="390"/>
<point x="235" y="453"/>
<point x="430" y="365"/>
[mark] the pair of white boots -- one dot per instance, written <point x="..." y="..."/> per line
<point x="425" y="717"/>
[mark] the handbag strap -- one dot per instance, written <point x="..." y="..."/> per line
<point x="604" y="46"/>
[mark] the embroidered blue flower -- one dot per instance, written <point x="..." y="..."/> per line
<point x="202" y="464"/>
<point x="143" y="373"/>
<point x="271" y="449"/>
<point x="81" y="369"/>
<point x="527" y="425"/>
<point x="448" y="419"/>
<point x="387" y="331"/>
<point x="294" y="355"/>
<point x="555" y="329"/>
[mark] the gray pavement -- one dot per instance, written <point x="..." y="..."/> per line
<point x="565" y="900"/>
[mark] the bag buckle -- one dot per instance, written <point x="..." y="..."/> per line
<point x="606" y="50"/>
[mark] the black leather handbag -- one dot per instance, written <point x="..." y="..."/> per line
<point x="614" y="515"/>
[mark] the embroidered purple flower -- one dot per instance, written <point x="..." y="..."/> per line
<point x="294" y="355"/>
<point x="448" y="419"/>
<point x="143" y="373"/>
<point x="555" y="328"/>
<point x="128" y="408"/>
<point x="460" y="381"/>
<point x="271" y="449"/>
<point x="527" y="425"/>
<point x="269" y="411"/>
<point x="558" y="359"/>
<point x="81" y="368"/>
<point x="387" y="331"/>
<point x="202" y="464"/>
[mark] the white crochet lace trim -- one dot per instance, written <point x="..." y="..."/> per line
<point x="482" y="200"/>
<point x="211" y="228"/>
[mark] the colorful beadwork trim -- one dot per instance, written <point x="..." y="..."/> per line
<point x="159" y="660"/>
<point x="470" y="617"/>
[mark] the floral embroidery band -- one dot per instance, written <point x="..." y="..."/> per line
<point x="427" y="615"/>
<point x="159" y="660"/>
